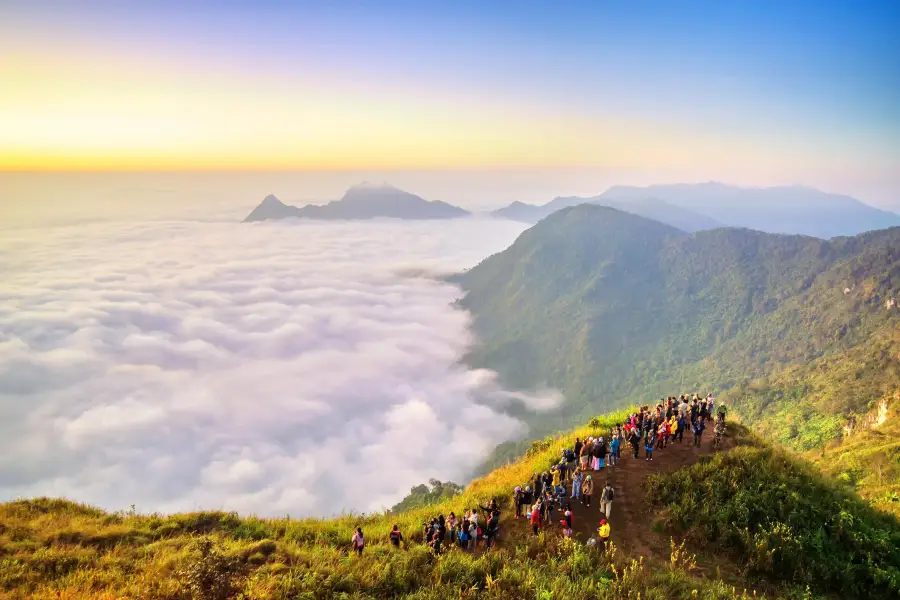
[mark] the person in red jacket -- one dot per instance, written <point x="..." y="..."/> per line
<point x="567" y="523"/>
<point x="536" y="519"/>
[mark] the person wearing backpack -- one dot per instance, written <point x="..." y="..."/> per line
<point x="517" y="500"/>
<point x="435" y="542"/>
<point x="464" y="534"/>
<point x="722" y="410"/>
<point x="491" y="529"/>
<point x="396" y="536"/>
<point x="699" y="426"/>
<point x="606" y="499"/>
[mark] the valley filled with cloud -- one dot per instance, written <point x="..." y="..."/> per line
<point x="272" y="368"/>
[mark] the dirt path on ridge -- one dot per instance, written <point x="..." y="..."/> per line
<point x="631" y="518"/>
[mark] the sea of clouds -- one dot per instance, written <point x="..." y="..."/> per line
<point x="271" y="368"/>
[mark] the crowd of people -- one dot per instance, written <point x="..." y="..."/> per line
<point x="570" y="479"/>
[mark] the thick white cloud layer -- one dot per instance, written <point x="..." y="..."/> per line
<point x="271" y="368"/>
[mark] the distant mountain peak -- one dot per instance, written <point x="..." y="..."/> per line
<point x="364" y="200"/>
<point x="271" y="200"/>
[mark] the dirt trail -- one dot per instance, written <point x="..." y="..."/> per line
<point x="630" y="520"/>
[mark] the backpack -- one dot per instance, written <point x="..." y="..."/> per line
<point x="610" y="494"/>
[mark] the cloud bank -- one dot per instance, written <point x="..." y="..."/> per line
<point x="301" y="368"/>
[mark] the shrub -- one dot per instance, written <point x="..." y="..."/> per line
<point x="784" y="522"/>
<point x="208" y="574"/>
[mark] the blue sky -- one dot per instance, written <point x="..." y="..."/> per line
<point x="813" y="86"/>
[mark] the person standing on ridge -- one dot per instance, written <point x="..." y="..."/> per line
<point x="586" y="454"/>
<point x="577" y="479"/>
<point x="567" y="522"/>
<point x="606" y="500"/>
<point x="604" y="533"/>
<point x="634" y="438"/>
<point x="614" y="450"/>
<point x="357" y="542"/>
<point x="699" y="426"/>
<point x="587" y="489"/>
<point x="536" y="519"/>
<point x="396" y="536"/>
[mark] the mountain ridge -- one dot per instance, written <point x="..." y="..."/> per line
<point x="613" y="308"/>
<point x="361" y="201"/>
<point x="695" y="207"/>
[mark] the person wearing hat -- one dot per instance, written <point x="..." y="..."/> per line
<point x="587" y="488"/>
<point x="604" y="532"/>
<point x="566" y="523"/>
<point x="517" y="500"/>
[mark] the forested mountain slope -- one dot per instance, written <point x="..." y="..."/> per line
<point x="614" y="308"/>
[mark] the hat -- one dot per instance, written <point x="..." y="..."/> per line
<point x="518" y="488"/>
<point x="603" y="521"/>
<point x="568" y="513"/>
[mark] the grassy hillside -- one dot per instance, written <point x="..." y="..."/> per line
<point x="613" y="309"/>
<point x="57" y="549"/>
<point x="781" y="520"/>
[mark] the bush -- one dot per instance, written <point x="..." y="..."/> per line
<point x="784" y="522"/>
<point x="208" y="574"/>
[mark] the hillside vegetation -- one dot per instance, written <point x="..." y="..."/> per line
<point x="613" y="309"/>
<point x="867" y="459"/>
<point x="781" y="520"/>
<point x="741" y="501"/>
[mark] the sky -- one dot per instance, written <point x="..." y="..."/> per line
<point x="745" y="92"/>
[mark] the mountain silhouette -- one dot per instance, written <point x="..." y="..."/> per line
<point x="362" y="201"/>
<point x="695" y="207"/>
